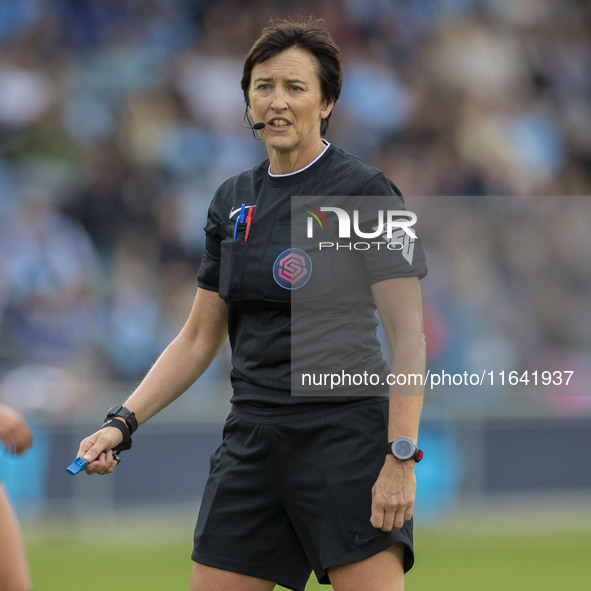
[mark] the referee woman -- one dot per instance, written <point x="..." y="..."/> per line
<point x="299" y="483"/>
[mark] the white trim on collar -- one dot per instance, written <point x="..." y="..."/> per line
<point x="277" y="176"/>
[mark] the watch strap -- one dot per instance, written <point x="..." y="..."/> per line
<point x="127" y="415"/>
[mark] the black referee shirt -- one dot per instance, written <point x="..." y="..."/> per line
<point x="297" y="305"/>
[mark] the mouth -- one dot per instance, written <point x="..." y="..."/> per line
<point x="278" y="124"/>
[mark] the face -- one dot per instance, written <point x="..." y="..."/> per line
<point x="285" y="95"/>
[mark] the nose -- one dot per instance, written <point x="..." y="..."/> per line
<point x="278" y="102"/>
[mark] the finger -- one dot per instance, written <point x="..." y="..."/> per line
<point x="13" y="444"/>
<point x="85" y="445"/>
<point x="408" y="513"/>
<point x="104" y="464"/>
<point x="377" y="516"/>
<point x="398" y="520"/>
<point x="17" y="447"/>
<point x="103" y="440"/>
<point x="95" y="465"/>
<point x="9" y="447"/>
<point x="17" y="436"/>
<point x="93" y="468"/>
<point x="99" y="465"/>
<point x="104" y="460"/>
<point x="23" y="440"/>
<point x="388" y="523"/>
<point x="110" y="459"/>
<point x="97" y="446"/>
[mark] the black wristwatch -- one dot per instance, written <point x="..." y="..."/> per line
<point x="126" y="415"/>
<point x="403" y="448"/>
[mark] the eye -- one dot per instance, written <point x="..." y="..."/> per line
<point x="263" y="86"/>
<point x="296" y="88"/>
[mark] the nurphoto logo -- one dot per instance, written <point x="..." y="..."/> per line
<point x="390" y="229"/>
<point x="394" y="219"/>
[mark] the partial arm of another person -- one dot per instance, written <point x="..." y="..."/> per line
<point x="177" y="368"/>
<point x="399" y="304"/>
<point x="16" y="437"/>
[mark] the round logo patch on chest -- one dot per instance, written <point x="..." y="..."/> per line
<point x="292" y="268"/>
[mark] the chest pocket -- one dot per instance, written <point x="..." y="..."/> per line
<point x="232" y="261"/>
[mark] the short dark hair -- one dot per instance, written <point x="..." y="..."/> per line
<point x="310" y="35"/>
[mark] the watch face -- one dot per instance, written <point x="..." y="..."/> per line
<point x="403" y="448"/>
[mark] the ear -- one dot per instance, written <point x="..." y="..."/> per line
<point x="326" y="109"/>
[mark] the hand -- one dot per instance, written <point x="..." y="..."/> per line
<point x="393" y="494"/>
<point x="97" y="450"/>
<point x="15" y="434"/>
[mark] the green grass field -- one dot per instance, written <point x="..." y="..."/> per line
<point x="478" y="554"/>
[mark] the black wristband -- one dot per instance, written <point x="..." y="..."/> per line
<point x="122" y="426"/>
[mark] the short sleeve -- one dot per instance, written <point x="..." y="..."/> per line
<point x="209" y="269"/>
<point x="397" y="252"/>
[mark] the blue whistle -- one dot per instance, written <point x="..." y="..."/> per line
<point x="76" y="466"/>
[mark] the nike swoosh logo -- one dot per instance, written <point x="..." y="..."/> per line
<point x="359" y="541"/>
<point x="233" y="212"/>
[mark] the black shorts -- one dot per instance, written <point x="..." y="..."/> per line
<point x="285" y="498"/>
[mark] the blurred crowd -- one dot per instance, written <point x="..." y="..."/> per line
<point x="118" y="119"/>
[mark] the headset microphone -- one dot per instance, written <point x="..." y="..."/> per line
<point x="254" y="127"/>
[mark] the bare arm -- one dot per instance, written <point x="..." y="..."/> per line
<point x="177" y="368"/>
<point x="399" y="304"/>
